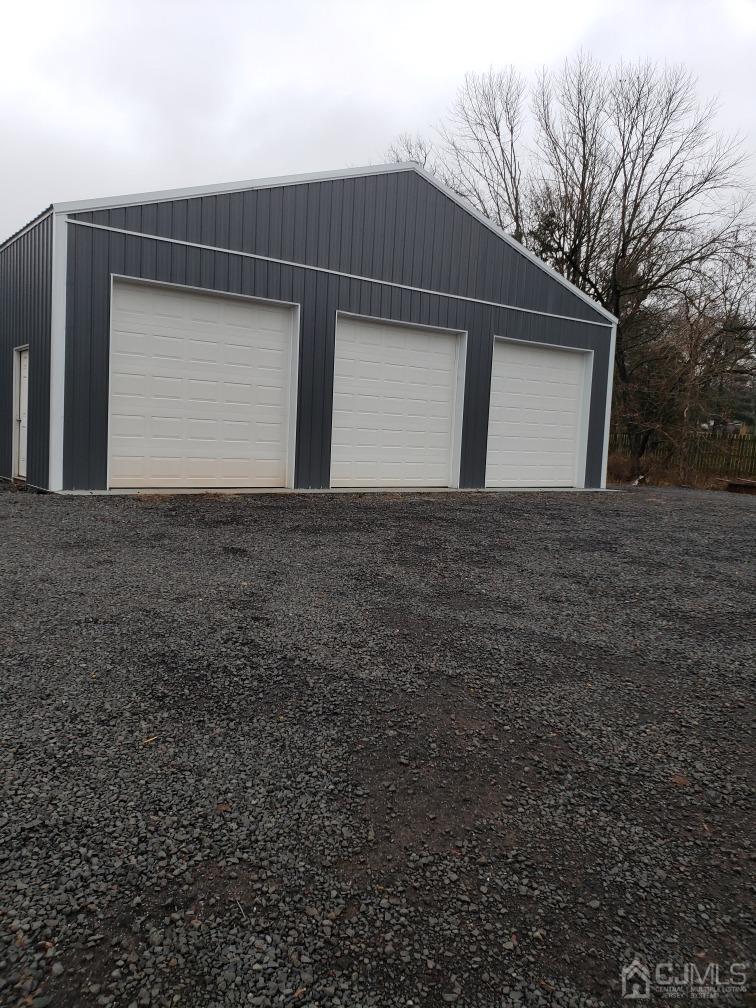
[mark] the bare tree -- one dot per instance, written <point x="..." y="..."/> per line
<point x="407" y="147"/>
<point x="624" y="186"/>
<point x="481" y="144"/>
<point x="711" y="341"/>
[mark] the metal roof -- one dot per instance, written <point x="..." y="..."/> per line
<point x="30" y="224"/>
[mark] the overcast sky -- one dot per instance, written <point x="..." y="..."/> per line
<point x="99" y="98"/>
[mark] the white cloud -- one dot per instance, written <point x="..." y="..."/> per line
<point x="105" y="97"/>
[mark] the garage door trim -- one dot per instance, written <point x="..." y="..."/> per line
<point x="455" y="459"/>
<point x="585" y="405"/>
<point x="293" y="390"/>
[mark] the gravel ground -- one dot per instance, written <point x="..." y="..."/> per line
<point x="372" y="750"/>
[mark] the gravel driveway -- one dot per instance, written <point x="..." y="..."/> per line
<point x="373" y="750"/>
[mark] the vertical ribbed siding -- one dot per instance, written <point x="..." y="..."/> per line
<point x="25" y="307"/>
<point x="94" y="255"/>
<point x="395" y="227"/>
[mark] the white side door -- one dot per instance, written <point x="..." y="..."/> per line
<point x="22" y="414"/>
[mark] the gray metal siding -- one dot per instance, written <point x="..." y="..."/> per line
<point x="25" y="307"/>
<point x="395" y="227"/>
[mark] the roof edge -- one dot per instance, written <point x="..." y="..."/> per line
<point x="26" y="227"/>
<point x="163" y="195"/>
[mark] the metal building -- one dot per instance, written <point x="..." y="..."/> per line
<point x="364" y="328"/>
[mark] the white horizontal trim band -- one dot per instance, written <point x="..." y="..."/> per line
<point x="332" y="272"/>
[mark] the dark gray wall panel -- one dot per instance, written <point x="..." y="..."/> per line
<point x="93" y="255"/>
<point x="25" y="311"/>
<point x="394" y="226"/>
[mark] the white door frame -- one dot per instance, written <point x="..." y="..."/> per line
<point x="291" y="432"/>
<point x="458" y="405"/>
<point x="17" y="351"/>
<point x="585" y="406"/>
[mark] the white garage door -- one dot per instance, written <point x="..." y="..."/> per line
<point x="393" y="405"/>
<point x="199" y="389"/>
<point x="536" y="426"/>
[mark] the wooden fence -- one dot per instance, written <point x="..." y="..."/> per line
<point x="715" y="454"/>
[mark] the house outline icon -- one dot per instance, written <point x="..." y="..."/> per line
<point x="636" y="982"/>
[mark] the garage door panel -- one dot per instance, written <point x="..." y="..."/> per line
<point x="545" y="372"/>
<point x="236" y="393"/>
<point x="534" y="478"/>
<point x="527" y="472"/>
<point x="385" y="454"/>
<point x="201" y="351"/>
<point x="388" y="415"/>
<point x="527" y="406"/>
<point x="390" y="420"/>
<point x="374" y="333"/>
<point x="536" y="418"/>
<point x="431" y="369"/>
<point x="540" y="376"/>
<point x="199" y="449"/>
<point x="542" y="446"/>
<point x="533" y="357"/>
<point x="128" y="364"/>
<point x="396" y="385"/>
<point x="193" y="471"/>
<point x="263" y="356"/>
<point x="133" y="468"/>
<point x="128" y="425"/>
<point x="526" y="420"/>
<point x="550" y="458"/>
<point x="393" y="405"/>
<point x="517" y="385"/>
<point x="396" y="435"/>
<point x="237" y="430"/>
<point x="371" y="401"/>
<point x="160" y="329"/>
<point x="162" y="386"/>
<point x="167" y="349"/>
<point x="131" y="383"/>
<point x="267" y="396"/>
<point x="538" y="389"/>
<point x="407" y="358"/>
<point x="166" y="426"/>
<point x="201" y="430"/>
<point x="387" y="474"/>
<point x="199" y="389"/>
<point x="397" y="438"/>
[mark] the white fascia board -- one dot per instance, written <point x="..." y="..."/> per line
<point x="132" y="199"/>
